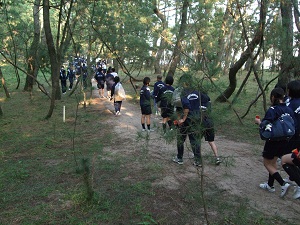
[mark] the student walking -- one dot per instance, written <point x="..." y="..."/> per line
<point x="145" y="104"/>
<point x="63" y="79"/>
<point x="159" y="84"/>
<point x="274" y="149"/>
<point x="291" y="161"/>
<point x="116" y="88"/>
<point x="109" y="81"/>
<point x="188" y="120"/>
<point x="165" y="98"/>
<point x="100" y="78"/>
<point x="208" y="125"/>
<point x="71" y="77"/>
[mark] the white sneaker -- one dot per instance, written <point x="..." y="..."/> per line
<point x="265" y="186"/>
<point x="284" y="189"/>
<point x="176" y="160"/>
<point x="287" y="180"/>
<point x="297" y="193"/>
<point x="117" y="113"/>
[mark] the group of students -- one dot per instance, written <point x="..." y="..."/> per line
<point x="189" y="114"/>
<point x="64" y="76"/>
<point x="109" y="79"/>
<point x="282" y="103"/>
<point x="75" y="69"/>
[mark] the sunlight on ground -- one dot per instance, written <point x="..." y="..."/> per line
<point x="128" y="113"/>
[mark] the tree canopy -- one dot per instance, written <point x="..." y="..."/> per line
<point x="210" y="38"/>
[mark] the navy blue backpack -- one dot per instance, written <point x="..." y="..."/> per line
<point x="282" y="128"/>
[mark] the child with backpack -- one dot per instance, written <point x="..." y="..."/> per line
<point x="274" y="149"/>
<point x="118" y="94"/>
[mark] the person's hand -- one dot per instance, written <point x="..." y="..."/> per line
<point x="180" y="122"/>
<point x="257" y="120"/>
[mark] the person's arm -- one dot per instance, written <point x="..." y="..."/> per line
<point x="148" y="94"/>
<point x="112" y="90"/>
<point x="184" y="117"/>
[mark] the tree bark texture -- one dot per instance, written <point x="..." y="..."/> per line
<point x="32" y="60"/>
<point x="178" y="47"/>
<point x="161" y="48"/>
<point x="53" y="56"/>
<point x="4" y="85"/>
<point x="286" y="43"/>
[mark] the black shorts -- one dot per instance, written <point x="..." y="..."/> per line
<point x="166" y="112"/>
<point x="208" y="129"/>
<point x="274" y="149"/>
<point x="100" y="85"/>
<point x="146" y="109"/>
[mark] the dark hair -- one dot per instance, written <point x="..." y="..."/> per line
<point x="146" y="80"/>
<point x="278" y="94"/>
<point x="186" y="79"/>
<point x="294" y="89"/>
<point x="283" y="86"/>
<point x="169" y="80"/>
<point x="159" y="77"/>
<point x="116" y="79"/>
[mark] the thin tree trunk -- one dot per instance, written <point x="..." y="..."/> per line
<point x="161" y="48"/>
<point x="178" y="47"/>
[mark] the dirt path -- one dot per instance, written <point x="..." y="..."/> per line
<point x="240" y="173"/>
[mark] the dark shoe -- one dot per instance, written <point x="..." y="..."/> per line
<point x="197" y="163"/>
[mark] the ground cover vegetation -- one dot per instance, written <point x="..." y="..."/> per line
<point x="55" y="172"/>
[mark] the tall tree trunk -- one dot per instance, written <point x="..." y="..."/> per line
<point x="3" y="84"/>
<point x="161" y="48"/>
<point x="221" y="54"/>
<point x="33" y="62"/>
<point x="244" y="56"/>
<point x="286" y="43"/>
<point x="181" y="34"/>
<point x="53" y="56"/>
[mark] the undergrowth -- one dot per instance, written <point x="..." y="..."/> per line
<point x="52" y="173"/>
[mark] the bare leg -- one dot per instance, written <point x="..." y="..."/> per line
<point x="213" y="148"/>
